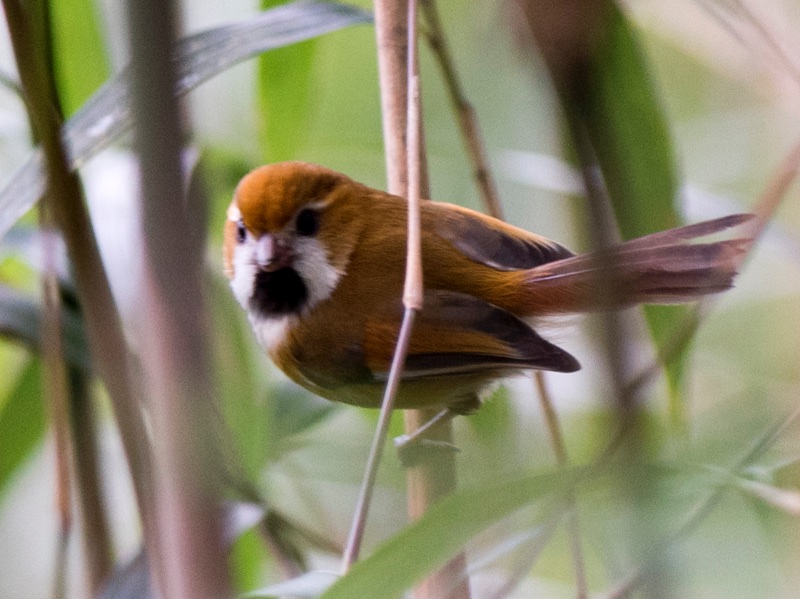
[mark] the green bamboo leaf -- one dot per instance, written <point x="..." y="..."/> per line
<point x="247" y="558"/>
<point x="284" y="96"/>
<point x="631" y="136"/>
<point x="20" y="319"/>
<point x="79" y="56"/>
<point x="442" y="532"/>
<point x="107" y="115"/>
<point x="632" y="141"/>
<point x="22" y="422"/>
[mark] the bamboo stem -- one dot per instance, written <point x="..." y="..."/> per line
<point x="94" y="519"/>
<point x="104" y="329"/>
<point x="55" y="389"/>
<point x="191" y="562"/>
<point x="428" y="480"/>
<point x="412" y="299"/>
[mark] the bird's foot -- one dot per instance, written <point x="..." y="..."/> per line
<point x="415" y="447"/>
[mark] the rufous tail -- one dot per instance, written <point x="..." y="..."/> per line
<point x="662" y="268"/>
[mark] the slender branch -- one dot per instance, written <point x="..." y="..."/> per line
<point x="562" y="459"/>
<point x="467" y="118"/>
<point x="353" y="546"/>
<point x="106" y="339"/>
<point x="412" y="299"/>
<point x="94" y="518"/>
<point x="191" y="563"/>
<point x="433" y="476"/>
<point x="55" y="387"/>
<point x="429" y="480"/>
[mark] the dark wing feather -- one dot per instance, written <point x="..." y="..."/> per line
<point x="460" y="334"/>
<point x="492" y="242"/>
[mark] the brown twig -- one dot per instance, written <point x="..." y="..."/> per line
<point x="412" y="300"/>
<point x="104" y="328"/>
<point x="96" y="538"/>
<point x="562" y="460"/>
<point x="428" y="480"/>
<point x="75" y="383"/>
<point x="55" y="388"/>
<point x="467" y="118"/>
<point x="191" y="562"/>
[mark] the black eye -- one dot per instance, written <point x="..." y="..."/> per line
<point x="307" y="222"/>
<point x="241" y="232"/>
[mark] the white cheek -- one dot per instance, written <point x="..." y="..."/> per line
<point x="311" y="262"/>
<point x="244" y="273"/>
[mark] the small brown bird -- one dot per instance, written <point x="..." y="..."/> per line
<point x="318" y="260"/>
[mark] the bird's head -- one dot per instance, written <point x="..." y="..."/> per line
<point x="289" y="234"/>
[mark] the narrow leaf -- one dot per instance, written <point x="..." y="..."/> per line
<point x="441" y="533"/>
<point x="107" y="115"/>
<point x="284" y="96"/>
<point x="631" y="139"/>
<point x="787" y="500"/>
<point x="80" y="61"/>
<point x="22" y="422"/>
<point x="20" y="319"/>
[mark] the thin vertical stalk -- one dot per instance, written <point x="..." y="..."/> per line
<point x="94" y="520"/>
<point x="562" y="460"/>
<point x="192" y="559"/>
<point x="104" y="328"/>
<point x="467" y="118"/>
<point x="567" y="39"/>
<point x="430" y="479"/>
<point x="55" y="389"/>
<point x="412" y="300"/>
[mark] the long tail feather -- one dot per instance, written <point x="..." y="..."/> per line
<point x="662" y="268"/>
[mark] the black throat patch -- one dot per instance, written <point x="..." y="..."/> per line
<point x="278" y="293"/>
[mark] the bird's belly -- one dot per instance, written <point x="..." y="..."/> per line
<point x="437" y="392"/>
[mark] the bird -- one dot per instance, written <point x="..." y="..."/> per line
<point x="317" y="261"/>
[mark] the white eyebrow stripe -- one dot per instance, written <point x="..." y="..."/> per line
<point x="234" y="214"/>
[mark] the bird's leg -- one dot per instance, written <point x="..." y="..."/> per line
<point x="408" y="446"/>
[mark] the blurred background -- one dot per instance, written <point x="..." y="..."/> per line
<point x="726" y="74"/>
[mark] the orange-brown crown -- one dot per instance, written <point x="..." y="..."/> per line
<point x="270" y="196"/>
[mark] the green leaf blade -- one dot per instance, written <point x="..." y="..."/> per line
<point x="441" y="533"/>
<point x="107" y="115"/>
<point x="80" y="60"/>
<point x="22" y="422"/>
<point x="631" y="137"/>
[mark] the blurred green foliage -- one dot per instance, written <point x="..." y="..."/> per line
<point x="302" y="458"/>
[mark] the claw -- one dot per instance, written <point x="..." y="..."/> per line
<point x="411" y="449"/>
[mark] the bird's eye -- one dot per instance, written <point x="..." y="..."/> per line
<point x="307" y="222"/>
<point x="241" y="232"/>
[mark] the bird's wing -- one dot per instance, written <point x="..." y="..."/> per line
<point x="457" y="334"/>
<point x="492" y="242"/>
